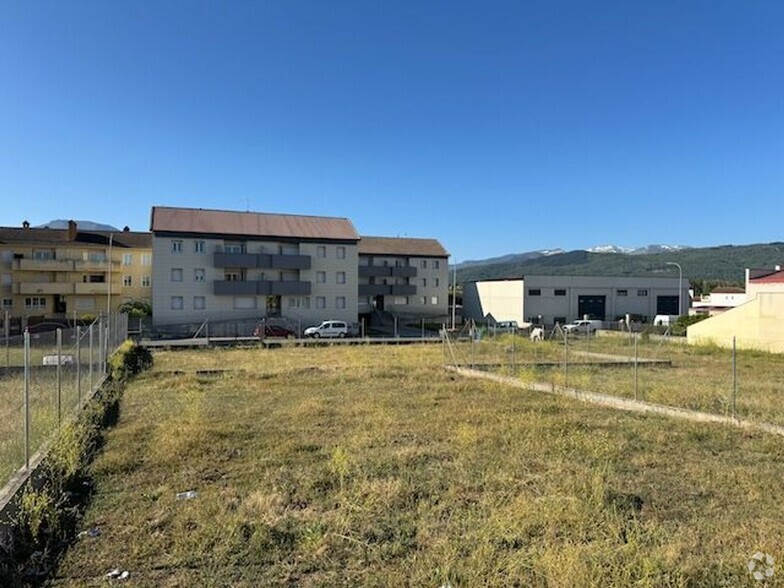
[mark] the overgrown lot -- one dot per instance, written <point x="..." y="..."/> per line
<point x="372" y="466"/>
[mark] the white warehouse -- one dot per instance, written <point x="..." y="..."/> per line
<point x="562" y="299"/>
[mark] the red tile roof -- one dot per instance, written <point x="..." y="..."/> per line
<point x="252" y="224"/>
<point x="405" y="246"/>
<point x="771" y="278"/>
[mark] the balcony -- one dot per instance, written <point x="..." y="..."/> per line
<point x="234" y="288"/>
<point x="374" y="289"/>
<point x="81" y="265"/>
<point x="44" y="265"/>
<point x="261" y="261"/>
<point x="95" y="288"/>
<point x="44" y="288"/>
<point x="290" y="287"/>
<point x="385" y="271"/>
<point x="403" y="290"/>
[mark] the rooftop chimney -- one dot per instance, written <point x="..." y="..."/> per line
<point x="778" y="268"/>
<point x="126" y="229"/>
<point x="25" y="224"/>
<point x="71" y="230"/>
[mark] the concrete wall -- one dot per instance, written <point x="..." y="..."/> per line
<point x="503" y="299"/>
<point x="757" y="324"/>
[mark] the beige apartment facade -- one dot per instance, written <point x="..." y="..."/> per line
<point x="225" y="265"/>
<point x="69" y="273"/>
<point x="404" y="276"/>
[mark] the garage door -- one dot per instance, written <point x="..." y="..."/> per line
<point x="593" y="306"/>
<point x="667" y="305"/>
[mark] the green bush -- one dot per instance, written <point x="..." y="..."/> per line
<point x="129" y="360"/>
<point x="684" y="321"/>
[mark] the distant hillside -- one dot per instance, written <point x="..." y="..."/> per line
<point x="84" y="225"/>
<point x="725" y="264"/>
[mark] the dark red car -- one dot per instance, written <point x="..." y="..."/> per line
<point x="264" y="331"/>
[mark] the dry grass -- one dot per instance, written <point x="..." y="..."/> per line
<point x="372" y="466"/>
<point x="700" y="377"/>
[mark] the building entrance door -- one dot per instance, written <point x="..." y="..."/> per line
<point x="593" y="306"/>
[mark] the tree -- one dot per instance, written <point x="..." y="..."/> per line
<point x="136" y="308"/>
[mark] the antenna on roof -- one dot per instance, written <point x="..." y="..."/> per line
<point x="247" y="204"/>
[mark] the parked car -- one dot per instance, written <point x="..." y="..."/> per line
<point x="328" y="329"/>
<point x="264" y="331"/>
<point x="583" y="326"/>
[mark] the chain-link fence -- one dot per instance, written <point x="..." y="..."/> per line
<point x="44" y="379"/>
<point x="727" y="377"/>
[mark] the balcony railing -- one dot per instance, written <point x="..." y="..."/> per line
<point x="261" y="261"/>
<point x="44" y="288"/>
<point x="383" y="271"/>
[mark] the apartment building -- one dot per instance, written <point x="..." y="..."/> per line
<point x="404" y="276"/>
<point x="67" y="273"/>
<point x="221" y="265"/>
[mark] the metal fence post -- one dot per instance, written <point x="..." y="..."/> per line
<point x="734" y="376"/>
<point x="635" y="367"/>
<point x="423" y="327"/>
<point x="78" y="364"/>
<point x="7" y="330"/>
<point x="59" y="376"/>
<point x="566" y="359"/>
<point x="101" y="344"/>
<point x="27" y="398"/>
<point x="396" y="335"/>
<point x="90" y="376"/>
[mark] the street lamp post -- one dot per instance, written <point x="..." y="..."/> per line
<point x="680" y="285"/>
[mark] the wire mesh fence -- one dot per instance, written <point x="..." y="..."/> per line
<point x="729" y="377"/>
<point x="44" y="379"/>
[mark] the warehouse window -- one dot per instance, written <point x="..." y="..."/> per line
<point x="560" y="292"/>
<point x="534" y="291"/>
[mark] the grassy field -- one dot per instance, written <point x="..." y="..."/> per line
<point x="373" y="466"/>
<point x="43" y="408"/>
<point x="700" y="377"/>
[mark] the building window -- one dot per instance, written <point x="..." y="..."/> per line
<point x="321" y="302"/>
<point x="6" y="280"/>
<point x="199" y="303"/>
<point x="340" y="302"/>
<point x="642" y="292"/>
<point x="234" y="247"/>
<point x="43" y="254"/>
<point x="245" y="302"/>
<point x="341" y="252"/>
<point x="176" y="302"/>
<point x="424" y="282"/>
<point x="176" y="274"/>
<point x="146" y="281"/>
<point x="321" y="277"/>
<point x="423" y="264"/>
<point x="199" y="247"/>
<point x="94" y="279"/>
<point x="401" y="300"/>
<point x="435" y="264"/>
<point x="534" y="291"/>
<point x="621" y="292"/>
<point x="127" y="259"/>
<point x="321" y="251"/>
<point x="176" y="246"/>
<point x="560" y="292"/>
<point x="127" y="281"/>
<point x="146" y="259"/>
<point x="437" y="283"/>
<point x="423" y="300"/>
<point x="341" y="278"/>
<point x="233" y="275"/>
<point x="434" y="300"/>
<point x="8" y="302"/>
<point x="85" y="303"/>
<point x="199" y="274"/>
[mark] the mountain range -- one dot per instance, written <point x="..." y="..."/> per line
<point x="85" y="225"/>
<point x="723" y="264"/>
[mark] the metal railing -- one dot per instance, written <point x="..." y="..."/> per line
<point x="45" y="378"/>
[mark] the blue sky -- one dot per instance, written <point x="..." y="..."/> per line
<point x="495" y="127"/>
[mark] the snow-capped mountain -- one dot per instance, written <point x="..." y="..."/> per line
<point x="655" y="248"/>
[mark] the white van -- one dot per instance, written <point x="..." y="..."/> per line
<point x="328" y="329"/>
<point x="665" y="320"/>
